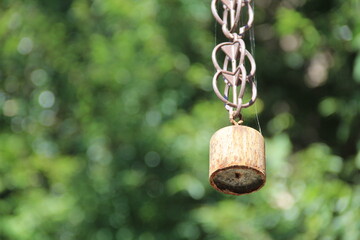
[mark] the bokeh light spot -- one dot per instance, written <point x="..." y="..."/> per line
<point x="39" y="77"/>
<point x="46" y="99"/>
<point x="25" y="46"/>
<point x="152" y="159"/>
<point x="10" y="108"/>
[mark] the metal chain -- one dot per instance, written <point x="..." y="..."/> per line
<point x="233" y="70"/>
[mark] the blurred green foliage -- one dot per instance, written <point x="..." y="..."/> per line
<point x="107" y="111"/>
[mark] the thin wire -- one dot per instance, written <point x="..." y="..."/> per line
<point x="252" y="50"/>
<point x="215" y="33"/>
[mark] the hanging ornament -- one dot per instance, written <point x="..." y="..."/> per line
<point x="237" y="152"/>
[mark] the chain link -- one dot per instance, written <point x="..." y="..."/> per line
<point x="233" y="70"/>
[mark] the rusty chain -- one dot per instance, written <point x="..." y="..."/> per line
<point x="233" y="70"/>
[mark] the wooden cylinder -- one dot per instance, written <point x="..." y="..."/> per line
<point x="237" y="160"/>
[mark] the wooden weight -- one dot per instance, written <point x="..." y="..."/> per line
<point x="237" y="160"/>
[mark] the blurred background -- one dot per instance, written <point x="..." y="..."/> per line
<point x="107" y="109"/>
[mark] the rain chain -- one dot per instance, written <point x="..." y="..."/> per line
<point x="237" y="152"/>
<point x="233" y="70"/>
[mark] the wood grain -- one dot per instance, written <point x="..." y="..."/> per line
<point x="237" y="160"/>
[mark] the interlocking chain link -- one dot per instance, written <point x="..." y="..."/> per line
<point x="233" y="70"/>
